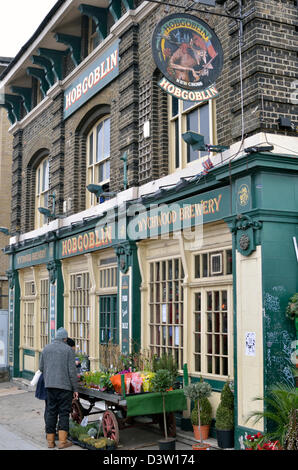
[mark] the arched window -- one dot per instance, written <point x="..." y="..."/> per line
<point x="41" y="191"/>
<point x="98" y="158"/>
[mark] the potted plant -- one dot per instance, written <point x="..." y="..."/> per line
<point x="168" y="362"/>
<point x="162" y="382"/>
<point x="225" y="418"/>
<point x="205" y="417"/>
<point x="197" y="392"/>
<point x="281" y="405"/>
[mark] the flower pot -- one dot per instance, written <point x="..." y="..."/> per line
<point x="204" y="431"/>
<point x="225" y="439"/>
<point x="167" y="444"/>
<point x="201" y="446"/>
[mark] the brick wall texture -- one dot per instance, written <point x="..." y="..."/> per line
<point x="5" y="199"/>
<point x="268" y="59"/>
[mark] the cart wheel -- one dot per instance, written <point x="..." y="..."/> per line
<point x="77" y="413"/>
<point x="110" y="426"/>
<point x="171" y="424"/>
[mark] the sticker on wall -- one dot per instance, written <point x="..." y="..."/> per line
<point x="250" y="343"/>
<point x="190" y="56"/>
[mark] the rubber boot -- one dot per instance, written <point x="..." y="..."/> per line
<point x="51" y="440"/>
<point x="63" y="442"/>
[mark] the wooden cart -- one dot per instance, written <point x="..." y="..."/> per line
<point x="118" y="412"/>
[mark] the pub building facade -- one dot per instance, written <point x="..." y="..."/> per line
<point x="142" y="237"/>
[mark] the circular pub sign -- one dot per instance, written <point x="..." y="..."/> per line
<point x="189" y="54"/>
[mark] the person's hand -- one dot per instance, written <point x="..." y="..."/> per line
<point x="76" y="395"/>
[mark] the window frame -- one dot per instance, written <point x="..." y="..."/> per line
<point x="42" y="191"/>
<point x="44" y="319"/>
<point x="178" y="157"/>
<point x="93" y="167"/>
<point x="108" y="319"/>
<point x="202" y="285"/>
<point x="205" y="332"/>
<point x="162" y="334"/>
<point x="79" y="299"/>
<point x="93" y="36"/>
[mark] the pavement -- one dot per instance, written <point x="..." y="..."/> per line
<point x="22" y="425"/>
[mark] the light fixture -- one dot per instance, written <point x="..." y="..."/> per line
<point x="256" y="149"/>
<point x="4" y="230"/>
<point x="197" y="142"/>
<point x="210" y="3"/>
<point x="98" y="191"/>
<point x="47" y="213"/>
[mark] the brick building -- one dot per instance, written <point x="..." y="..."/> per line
<point x="5" y="191"/>
<point x="98" y="144"/>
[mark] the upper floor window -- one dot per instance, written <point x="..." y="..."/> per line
<point x="41" y="191"/>
<point x="93" y="37"/>
<point x="188" y="116"/>
<point x="98" y="157"/>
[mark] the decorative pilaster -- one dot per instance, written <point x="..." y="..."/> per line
<point x="53" y="267"/>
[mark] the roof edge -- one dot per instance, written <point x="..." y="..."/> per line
<point x="26" y="46"/>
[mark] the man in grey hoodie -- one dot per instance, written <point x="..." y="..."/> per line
<point x="57" y="363"/>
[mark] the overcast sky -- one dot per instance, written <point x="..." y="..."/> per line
<point x="19" y="19"/>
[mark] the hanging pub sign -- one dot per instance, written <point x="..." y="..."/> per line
<point x="189" y="54"/>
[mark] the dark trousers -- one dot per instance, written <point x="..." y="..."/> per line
<point x="58" y="406"/>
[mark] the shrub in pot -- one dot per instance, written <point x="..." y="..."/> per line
<point x="205" y="416"/>
<point x="225" y="418"/>
<point x="162" y="382"/>
<point x="197" y="392"/>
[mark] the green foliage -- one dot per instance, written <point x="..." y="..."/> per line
<point x="292" y="308"/>
<point x="77" y="431"/>
<point x="225" y="411"/>
<point x="197" y="391"/>
<point x="224" y="418"/>
<point x="280" y="409"/>
<point x="166" y="361"/>
<point x="162" y="380"/>
<point x="227" y="396"/>
<point x="205" y="412"/>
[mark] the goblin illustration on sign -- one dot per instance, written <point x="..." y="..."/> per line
<point x="189" y="54"/>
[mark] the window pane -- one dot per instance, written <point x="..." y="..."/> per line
<point x="38" y="181"/>
<point x="204" y="125"/>
<point x="192" y="125"/>
<point x="99" y="132"/>
<point x="91" y="149"/>
<point x="205" y="265"/>
<point x="197" y="265"/>
<point x="46" y="200"/>
<point x="45" y="175"/>
<point x="187" y="104"/>
<point x="107" y="170"/>
<point x="229" y="262"/>
<point x="175" y="105"/>
<point x="106" y="139"/>
<point x="177" y="156"/>
<point x="95" y="41"/>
